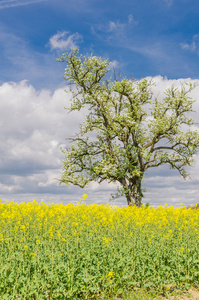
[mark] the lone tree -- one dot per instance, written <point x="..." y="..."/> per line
<point x="131" y="130"/>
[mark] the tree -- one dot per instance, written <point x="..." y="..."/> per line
<point x="127" y="130"/>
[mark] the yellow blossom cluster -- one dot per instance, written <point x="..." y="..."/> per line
<point x="57" y="220"/>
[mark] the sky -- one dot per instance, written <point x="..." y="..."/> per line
<point x="157" y="39"/>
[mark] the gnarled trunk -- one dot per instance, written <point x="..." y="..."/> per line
<point x="134" y="192"/>
<point x="134" y="198"/>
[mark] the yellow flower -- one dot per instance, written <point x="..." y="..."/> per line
<point x="110" y="274"/>
<point x="25" y="247"/>
<point x="85" y="196"/>
<point x="106" y="240"/>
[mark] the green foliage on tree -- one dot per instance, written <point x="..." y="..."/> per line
<point x="127" y="130"/>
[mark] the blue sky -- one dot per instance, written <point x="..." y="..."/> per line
<point x="147" y="38"/>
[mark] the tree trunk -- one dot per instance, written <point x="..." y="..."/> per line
<point x="134" y="193"/>
<point x="133" y="199"/>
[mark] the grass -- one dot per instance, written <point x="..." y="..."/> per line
<point x="52" y="251"/>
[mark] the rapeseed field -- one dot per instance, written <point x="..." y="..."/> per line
<point x="55" y="251"/>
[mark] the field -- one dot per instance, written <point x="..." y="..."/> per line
<point x="55" y="251"/>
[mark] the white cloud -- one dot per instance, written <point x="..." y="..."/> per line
<point x="9" y="188"/>
<point x="131" y="20"/>
<point x="114" y="29"/>
<point x="193" y="46"/>
<point x="114" y="64"/>
<point x="15" y="3"/>
<point x="64" y="41"/>
<point x="120" y="27"/>
<point x="34" y="124"/>
<point x="115" y="26"/>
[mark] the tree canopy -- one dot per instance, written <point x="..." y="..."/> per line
<point x="127" y="129"/>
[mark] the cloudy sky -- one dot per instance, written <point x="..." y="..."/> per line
<point x="148" y="38"/>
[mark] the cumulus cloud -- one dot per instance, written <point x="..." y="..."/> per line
<point x="65" y="41"/>
<point x="33" y="126"/>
